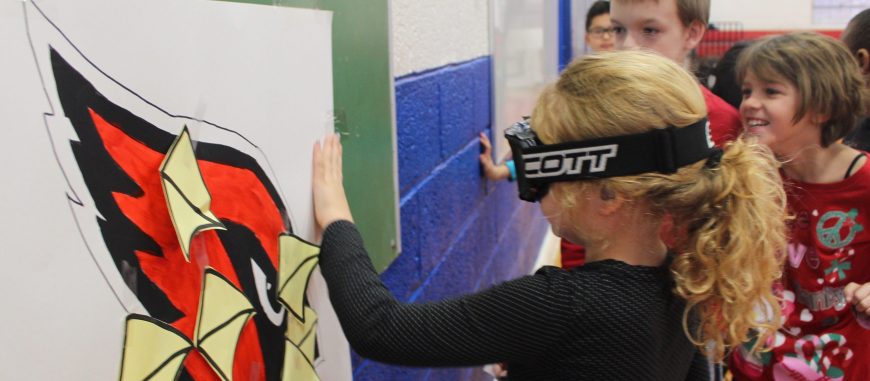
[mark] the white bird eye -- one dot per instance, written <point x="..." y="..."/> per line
<point x="263" y="285"/>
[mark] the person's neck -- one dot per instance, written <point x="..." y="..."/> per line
<point x="819" y="165"/>
<point x="637" y="246"/>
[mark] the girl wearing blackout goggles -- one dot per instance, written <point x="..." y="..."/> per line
<point x="617" y="146"/>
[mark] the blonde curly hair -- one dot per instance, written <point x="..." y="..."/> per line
<point x="729" y="219"/>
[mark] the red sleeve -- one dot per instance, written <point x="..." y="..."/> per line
<point x="725" y="124"/>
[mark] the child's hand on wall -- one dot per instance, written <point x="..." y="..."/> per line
<point x="859" y="295"/>
<point x="490" y="170"/>
<point x="330" y="202"/>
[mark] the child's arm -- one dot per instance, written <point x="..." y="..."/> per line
<point x="859" y="295"/>
<point x="490" y="170"/>
<point x="514" y="321"/>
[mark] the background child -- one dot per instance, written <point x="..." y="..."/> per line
<point x="628" y="313"/>
<point x="673" y="28"/>
<point x="599" y="30"/>
<point x="801" y="95"/>
<point x="857" y="38"/>
<point x="725" y="84"/>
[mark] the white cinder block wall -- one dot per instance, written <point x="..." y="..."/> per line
<point x="430" y="34"/>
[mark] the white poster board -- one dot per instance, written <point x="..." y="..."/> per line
<point x="90" y="91"/>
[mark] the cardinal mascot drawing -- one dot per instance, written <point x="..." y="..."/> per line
<point x="186" y="222"/>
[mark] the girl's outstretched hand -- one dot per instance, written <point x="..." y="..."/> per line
<point x="330" y="203"/>
<point x="490" y="170"/>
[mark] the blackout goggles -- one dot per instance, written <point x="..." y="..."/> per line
<point x="662" y="150"/>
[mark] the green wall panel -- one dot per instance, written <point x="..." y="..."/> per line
<point x="363" y="115"/>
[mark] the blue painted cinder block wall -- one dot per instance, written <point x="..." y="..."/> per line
<point x="460" y="232"/>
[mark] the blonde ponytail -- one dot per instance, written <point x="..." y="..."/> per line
<point x="729" y="218"/>
<point x="733" y="241"/>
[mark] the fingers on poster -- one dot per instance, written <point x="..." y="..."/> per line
<point x="154" y="350"/>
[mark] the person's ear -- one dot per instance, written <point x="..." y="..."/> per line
<point x="817" y="119"/>
<point x="863" y="60"/>
<point x="694" y="33"/>
<point x="610" y="201"/>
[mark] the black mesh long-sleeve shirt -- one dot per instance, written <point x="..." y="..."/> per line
<point x="604" y="321"/>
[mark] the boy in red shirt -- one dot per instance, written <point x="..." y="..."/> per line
<point x="673" y="28"/>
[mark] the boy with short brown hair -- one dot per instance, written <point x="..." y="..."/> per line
<point x="673" y="28"/>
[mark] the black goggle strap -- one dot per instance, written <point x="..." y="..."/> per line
<point x="661" y="150"/>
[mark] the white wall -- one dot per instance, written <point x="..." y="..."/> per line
<point x="786" y="14"/>
<point x="764" y="14"/>
<point x="430" y="34"/>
